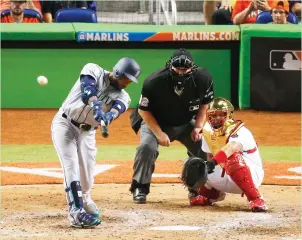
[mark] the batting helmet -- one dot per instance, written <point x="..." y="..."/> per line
<point x="127" y="67"/>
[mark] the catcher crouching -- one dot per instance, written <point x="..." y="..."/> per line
<point x="233" y="165"/>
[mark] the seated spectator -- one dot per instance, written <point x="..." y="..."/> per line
<point x="246" y="11"/>
<point x="30" y="4"/>
<point x="218" y="12"/>
<point x="295" y="6"/>
<point x="92" y="5"/>
<point x="17" y="13"/>
<point x="279" y="11"/>
<point x="49" y="8"/>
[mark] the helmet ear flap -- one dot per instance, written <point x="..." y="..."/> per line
<point x="117" y="74"/>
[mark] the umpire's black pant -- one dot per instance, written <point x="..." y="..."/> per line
<point x="147" y="151"/>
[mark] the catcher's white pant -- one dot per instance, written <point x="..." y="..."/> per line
<point x="227" y="185"/>
<point x="76" y="150"/>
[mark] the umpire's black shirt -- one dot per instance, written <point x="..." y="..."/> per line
<point x="170" y="109"/>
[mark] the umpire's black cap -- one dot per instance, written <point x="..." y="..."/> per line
<point x="182" y="52"/>
<point x="182" y="58"/>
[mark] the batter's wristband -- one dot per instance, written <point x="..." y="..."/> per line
<point x="220" y="157"/>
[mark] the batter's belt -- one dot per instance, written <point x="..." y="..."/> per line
<point x="82" y="126"/>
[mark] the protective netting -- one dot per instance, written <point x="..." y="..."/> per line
<point x="160" y="12"/>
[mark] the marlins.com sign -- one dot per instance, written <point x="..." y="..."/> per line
<point x="157" y="36"/>
<point x="205" y="36"/>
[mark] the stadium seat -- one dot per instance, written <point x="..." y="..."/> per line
<point x="27" y="13"/>
<point x="76" y="15"/>
<point x="266" y="17"/>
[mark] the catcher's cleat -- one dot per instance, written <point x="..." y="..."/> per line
<point x="85" y="220"/>
<point x="198" y="200"/>
<point x="92" y="209"/>
<point x="139" y="195"/>
<point x="258" y="205"/>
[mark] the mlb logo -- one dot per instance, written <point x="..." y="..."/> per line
<point x="285" y="60"/>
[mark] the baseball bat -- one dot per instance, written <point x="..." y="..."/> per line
<point x="104" y="130"/>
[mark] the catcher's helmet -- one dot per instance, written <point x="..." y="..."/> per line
<point x="127" y="67"/>
<point x="181" y="59"/>
<point x="219" y="112"/>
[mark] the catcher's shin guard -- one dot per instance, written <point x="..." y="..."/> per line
<point x="237" y="169"/>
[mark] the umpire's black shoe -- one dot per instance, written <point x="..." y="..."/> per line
<point x="139" y="195"/>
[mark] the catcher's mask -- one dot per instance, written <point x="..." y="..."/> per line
<point x="181" y="66"/>
<point x="219" y="112"/>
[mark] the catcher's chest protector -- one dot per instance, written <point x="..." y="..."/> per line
<point x="214" y="142"/>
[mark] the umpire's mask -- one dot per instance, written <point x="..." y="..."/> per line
<point x="181" y="67"/>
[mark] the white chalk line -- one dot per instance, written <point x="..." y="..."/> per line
<point x="54" y="172"/>
<point x="100" y="168"/>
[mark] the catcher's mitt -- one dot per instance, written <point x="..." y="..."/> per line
<point x="194" y="172"/>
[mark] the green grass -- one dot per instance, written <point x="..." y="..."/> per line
<point x="46" y="153"/>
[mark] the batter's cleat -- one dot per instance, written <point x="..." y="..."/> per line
<point x="139" y="195"/>
<point x="92" y="209"/>
<point x="85" y="220"/>
<point x="258" y="205"/>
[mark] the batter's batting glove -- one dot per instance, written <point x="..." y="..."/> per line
<point x="108" y="117"/>
<point x="98" y="112"/>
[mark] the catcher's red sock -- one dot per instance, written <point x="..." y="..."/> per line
<point x="237" y="169"/>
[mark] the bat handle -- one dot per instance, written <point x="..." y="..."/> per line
<point x="104" y="129"/>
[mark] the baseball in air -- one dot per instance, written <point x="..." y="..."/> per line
<point x="42" y="80"/>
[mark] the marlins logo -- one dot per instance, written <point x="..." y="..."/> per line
<point x="286" y="60"/>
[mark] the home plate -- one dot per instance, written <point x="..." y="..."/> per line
<point x="175" y="228"/>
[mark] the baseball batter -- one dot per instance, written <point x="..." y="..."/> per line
<point x="235" y="158"/>
<point x="96" y="97"/>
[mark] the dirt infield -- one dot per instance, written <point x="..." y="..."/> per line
<point x="269" y="128"/>
<point x="39" y="211"/>
<point x="121" y="172"/>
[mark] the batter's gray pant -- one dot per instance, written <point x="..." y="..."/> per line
<point x="147" y="151"/>
<point x="76" y="150"/>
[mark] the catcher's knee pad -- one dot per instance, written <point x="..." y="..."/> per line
<point x="240" y="173"/>
<point x="74" y="195"/>
<point x="234" y="163"/>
